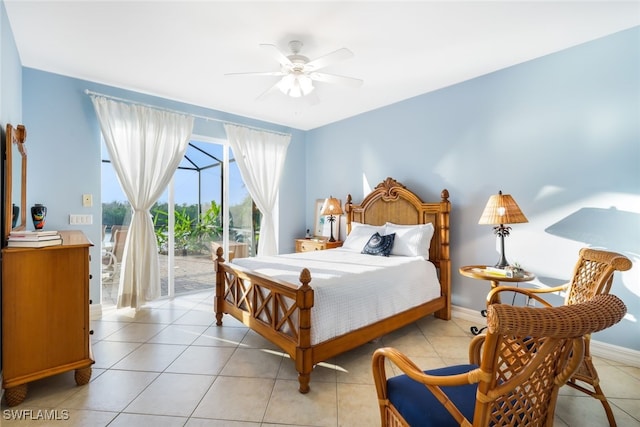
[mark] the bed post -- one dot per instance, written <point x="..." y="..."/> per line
<point x="348" y="206"/>
<point x="220" y="284"/>
<point x="445" y="259"/>
<point x="304" y="355"/>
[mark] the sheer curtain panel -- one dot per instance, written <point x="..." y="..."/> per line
<point x="145" y="146"/>
<point x="260" y="158"/>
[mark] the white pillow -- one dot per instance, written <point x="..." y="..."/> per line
<point x="411" y="240"/>
<point x="360" y="235"/>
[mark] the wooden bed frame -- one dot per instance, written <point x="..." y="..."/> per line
<point x="281" y="311"/>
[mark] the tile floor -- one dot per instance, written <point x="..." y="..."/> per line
<point x="169" y="365"/>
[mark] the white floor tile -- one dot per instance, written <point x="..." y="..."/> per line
<point x="201" y="360"/>
<point x="138" y="420"/>
<point x="252" y="362"/>
<point x="222" y="337"/>
<point x="150" y="357"/>
<point x="171" y="394"/>
<point x="227" y="399"/>
<point x="316" y="408"/>
<point x="108" y="353"/>
<point x="178" y="334"/>
<point x="112" y="391"/>
<point x="136" y="332"/>
<point x="170" y="365"/>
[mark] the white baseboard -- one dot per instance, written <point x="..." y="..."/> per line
<point x="467" y="314"/>
<point x="622" y="355"/>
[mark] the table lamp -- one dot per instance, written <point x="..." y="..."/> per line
<point x="502" y="209"/>
<point x="331" y="208"/>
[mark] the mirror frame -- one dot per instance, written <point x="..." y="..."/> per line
<point x="15" y="136"/>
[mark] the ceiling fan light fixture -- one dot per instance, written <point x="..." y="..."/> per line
<point x="298" y="72"/>
<point x="296" y="85"/>
<point x="306" y="84"/>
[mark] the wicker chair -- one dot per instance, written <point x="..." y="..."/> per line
<point x="514" y="374"/>
<point x="112" y="258"/>
<point x="592" y="275"/>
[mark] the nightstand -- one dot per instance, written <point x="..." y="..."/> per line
<point x="479" y="272"/>
<point x="307" y="245"/>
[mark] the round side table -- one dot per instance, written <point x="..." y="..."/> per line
<point x="479" y="272"/>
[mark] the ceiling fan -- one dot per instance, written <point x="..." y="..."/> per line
<point x="299" y="72"/>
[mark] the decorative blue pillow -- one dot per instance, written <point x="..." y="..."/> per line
<point x="379" y="245"/>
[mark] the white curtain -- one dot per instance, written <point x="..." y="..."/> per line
<point x="146" y="146"/>
<point x="260" y="157"/>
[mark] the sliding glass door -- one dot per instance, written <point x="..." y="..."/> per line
<point x="193" y="201"/>
<point x="205" y="206"/>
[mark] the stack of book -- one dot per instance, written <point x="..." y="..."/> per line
<point x="508" y="271"/>
<point x="33" y="239"/>
<point x="499" y="272"/>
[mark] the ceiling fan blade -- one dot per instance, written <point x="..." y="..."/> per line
<point x="329" y="58"/>
<point x="334" y="78"/>
<point x="258" y="73"/>
<point x="277" y="54"/>
<point x="269" y="91"/>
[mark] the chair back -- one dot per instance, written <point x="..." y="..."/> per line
<point x="593" y="274"/>
<point x="119" y="239"/>
<point x="529" y="353"/>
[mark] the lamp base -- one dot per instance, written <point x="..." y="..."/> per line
<point x="331" y="221"/>
<point x="502" y="262"/>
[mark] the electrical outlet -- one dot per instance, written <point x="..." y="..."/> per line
<point x="87" y="200"/>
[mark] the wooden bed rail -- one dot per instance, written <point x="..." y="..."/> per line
<point x="276" y="310"/>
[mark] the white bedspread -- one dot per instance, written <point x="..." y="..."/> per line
<point x="352" y="290"/>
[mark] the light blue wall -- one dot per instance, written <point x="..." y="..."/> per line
<point x="560" y="133"/>
<point x="64" y="154"/>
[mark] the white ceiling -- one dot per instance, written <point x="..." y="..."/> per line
<point x="181" y="50"/>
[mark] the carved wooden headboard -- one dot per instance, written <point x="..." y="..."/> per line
<point x="391" y="201"/>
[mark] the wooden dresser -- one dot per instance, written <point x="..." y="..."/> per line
<point x="45" y="314"/>
<point x="306" y="245"/>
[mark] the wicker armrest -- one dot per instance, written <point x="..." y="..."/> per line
<point x="560" y="288"/>
<point x="531" y="293"/>
<point x="475" y="349"/>
<point x="577" y="320"/>
<point x="432" y="382"/>
<point x="411" y="370"/>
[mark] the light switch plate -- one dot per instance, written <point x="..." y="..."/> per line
<point x="79" y="219"/>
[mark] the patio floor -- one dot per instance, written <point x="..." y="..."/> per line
<point x="191" y="273"/>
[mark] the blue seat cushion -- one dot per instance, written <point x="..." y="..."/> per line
<point x="419" y="407"/>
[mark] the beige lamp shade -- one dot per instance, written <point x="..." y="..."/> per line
<point x="502" y="209"/>
<point x="331" y="207"/>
